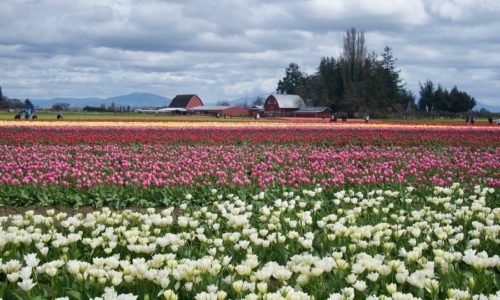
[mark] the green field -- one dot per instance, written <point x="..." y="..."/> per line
<point x="167" y="116"/>
<point x="104" y="116"/>
<point x="441" y="120"/>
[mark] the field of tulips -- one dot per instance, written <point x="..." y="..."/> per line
<point x="226" y="133"/>
<point x="151" y="175"/>
<point x="248" y="209"/>
<point x="119" y="165"/>
<point x="380" y="244"/>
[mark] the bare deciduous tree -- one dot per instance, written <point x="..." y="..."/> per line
<point x="354" y="55"/>
<point x="223" y="103"/>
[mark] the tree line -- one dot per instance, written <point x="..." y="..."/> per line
<point x="9" y="103"/>
<point x="360" y="83"/>
<point x="111" y="108"/>
<point x="434" y="99"/>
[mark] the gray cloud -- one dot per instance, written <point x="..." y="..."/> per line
<point x="226" y="49"/>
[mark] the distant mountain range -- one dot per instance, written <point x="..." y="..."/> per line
<point x="248" y="100"/>
<point x="491" y="108"/>
<point x="143" y="100"/>
<point x="136" y="100"/>
<point x="132" y="100"/>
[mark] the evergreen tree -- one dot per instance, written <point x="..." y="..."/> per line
<point x="372" y="89"/>
<point x="393" y="82"/>
<point x="460" y="101"/>
<point x="426" y="101"/>
<point x="293" y="81"/>
<point x="330" y="82"/>
<point x="440" y="100"/>
<point x="407" y="99"/>
<point x="355" y="83"/>
<point x="314" y="91"/>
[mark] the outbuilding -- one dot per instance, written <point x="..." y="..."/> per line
<point x="283" y="104"/>
<point x="230" y="111"/>
<point x="256" y="111"/>
<point x="313" y="112"/>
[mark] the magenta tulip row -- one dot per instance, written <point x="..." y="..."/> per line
<point x="229" y="165"/>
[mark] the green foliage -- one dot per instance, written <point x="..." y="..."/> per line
<point x="425" y="103"/>
<point x="312" y="240"/>
<point x="61" y="106"/>
<point x="8" y="103"/>
<point x="355" y="83"/>
<point x="441" y="99"/>
<point x="293" y="81"/>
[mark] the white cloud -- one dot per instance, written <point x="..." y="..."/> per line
<point x="402" y="12"/>
<point x="465" y="10"/>
<point x="227" y="49"/>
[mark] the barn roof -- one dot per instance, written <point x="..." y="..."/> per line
<point x="289" y="101"/>
<point x="181" y="101"/>
<point x="161" y="110"/>
<point x="312" y="109"/>
<point x="171" y="109"/>
<point x="257" y="107"/>
<point x="214" y="107"/>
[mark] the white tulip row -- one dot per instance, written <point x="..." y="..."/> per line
<point x="342" y="245"/>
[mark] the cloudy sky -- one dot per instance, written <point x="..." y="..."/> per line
<point x="226" y="49"/>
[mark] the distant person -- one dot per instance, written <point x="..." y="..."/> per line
<point x="467" y="120"/>
<point x="490" y="120"/>
<point x="333" y="118"/>
<point x="472" y="120"/>
<point x="498" y="121"/>
<point x="59" y="116"/>
<point x="34" y="117"/>
<point x="367" y="118"/>
<point x="344" y="118"/>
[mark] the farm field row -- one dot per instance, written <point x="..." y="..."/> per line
<point x="249" y="210"/>
<point x="381" y="244"/>
<point x="69" y="116"/>
<point x="128" y="116"/>
<point x="204" y="121"/>
<point x="148" y="165"/>
<point x="152" y="175"/>
<point x="218" y="133"/>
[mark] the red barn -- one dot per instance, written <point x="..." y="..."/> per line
<point x="256" y="110"/>
<point x="283" y="104"/>
<point x="186" y="101"/>
<point x="230" y="111"/>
